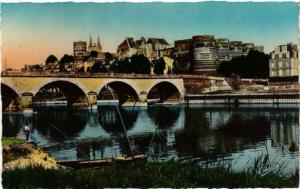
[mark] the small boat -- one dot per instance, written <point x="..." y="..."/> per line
<point x="101" y="163"/>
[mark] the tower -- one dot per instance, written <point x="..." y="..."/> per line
<point x="90" y="42"/>
<point x="98" y="44"/>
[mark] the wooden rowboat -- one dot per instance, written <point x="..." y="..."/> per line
<point x="100" y="163"/>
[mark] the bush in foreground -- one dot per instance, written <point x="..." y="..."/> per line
<point x="167" y="174"/>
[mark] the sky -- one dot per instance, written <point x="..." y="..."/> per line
<point x="33" y="31"/>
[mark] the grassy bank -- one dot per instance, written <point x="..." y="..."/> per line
<point x="12" y="140"/>
<point x="167" y="174"/>
<point x="16" y="153"/>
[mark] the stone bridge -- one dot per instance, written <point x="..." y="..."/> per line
<point x="21" y="89"/>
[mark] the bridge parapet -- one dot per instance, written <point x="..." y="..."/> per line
<point x="105" y="75"/>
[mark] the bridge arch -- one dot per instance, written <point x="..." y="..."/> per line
<point x="11" y="101"/>
<point x="52" y="79"/>
<point x="164" y="90"/>
<point x="73" y="92"/>
<point x="123" y="90"/>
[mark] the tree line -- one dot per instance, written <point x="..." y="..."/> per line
<point x="138" y="64"/>
<point x="254" y="65"/>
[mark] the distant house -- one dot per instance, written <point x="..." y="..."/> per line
<point x="158" y="46"/>
<point x="284" y="61"/>
<point x="153" y="48"/>
<point x="127" y="48"/>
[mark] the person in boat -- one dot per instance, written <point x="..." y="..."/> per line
<point x="27" y="131"/>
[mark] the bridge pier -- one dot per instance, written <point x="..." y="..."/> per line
<point x="143" y="97"/>
<point x="26" y="102"/>
<point x="92" y="99"/>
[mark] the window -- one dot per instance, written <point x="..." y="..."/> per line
<point x="287" y="64"/>
<point x="288" y="72"/>
<point x="280" y="64"/>
<point x="284" y="49"/>
<point x="280" y="73"/>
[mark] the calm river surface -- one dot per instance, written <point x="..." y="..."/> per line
<point x="183" y="133"/>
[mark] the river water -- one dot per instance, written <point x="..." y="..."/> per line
<point x="183" y="133"/>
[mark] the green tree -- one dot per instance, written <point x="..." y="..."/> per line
<point x="85" y="58"/>
<point x="98" y="67"/>
<point x="108" y="57"/>
<point x="254" y="65"/>
<point x="64" y="60"/>
<point x="67" y="59"/>
<point x="51" y="59"/>
<point x="93" y="54"/>
<point x="121" y="66"/>
<point x="140" y="64"/>
<point x="159" y="66"/>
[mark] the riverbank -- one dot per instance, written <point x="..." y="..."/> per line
<point x="150" y="174"/>
<point x="18" y="154"/>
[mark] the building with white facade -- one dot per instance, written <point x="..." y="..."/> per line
<point x="284" y="61"/>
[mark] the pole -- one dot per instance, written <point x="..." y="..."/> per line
<point x="123" y="124"/>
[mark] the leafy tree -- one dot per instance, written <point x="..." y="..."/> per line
<point x="51" y="59"/>
<point x="108" y="57"/>
<point x="121" y="66"/>
<point x="140" y="64"/>
<point x="137" y="64"/>
<point x="98" y="67"/>
<point x="81" y="69"/>
<point x="254" y="65"/>
<point x="159" y="66"/>
<point x="85" y="58"/>
<point x="64" y="60"/>
<point x="93" y="54"/>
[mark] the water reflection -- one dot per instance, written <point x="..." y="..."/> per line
<point x="164" y="116"/>
<point x="91" y="149"/>
<point x="203" y="133"/>
<point x="12" y="124"/>
<point x="111" y="122"/>
<point x="60" y="124"/>
<point x="284" y="131"/>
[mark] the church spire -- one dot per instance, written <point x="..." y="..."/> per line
<point x="91" y="41"/>
<point x="98" y="43"/>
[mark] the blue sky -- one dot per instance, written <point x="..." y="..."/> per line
<point x="36" y="30"/>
